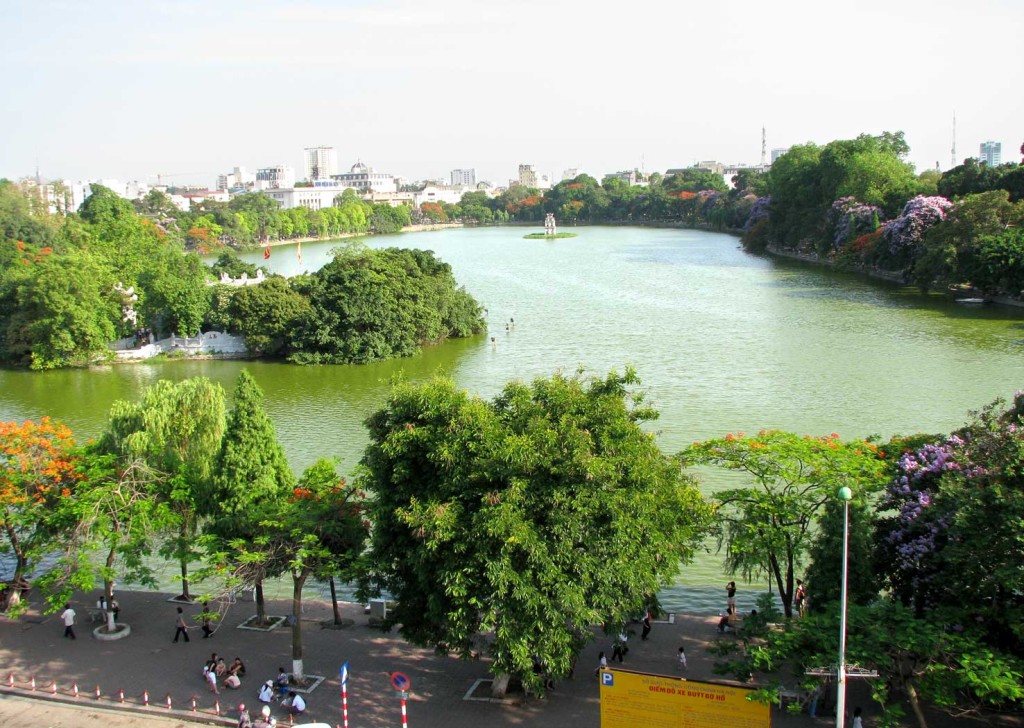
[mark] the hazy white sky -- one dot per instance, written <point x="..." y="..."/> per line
<point x="136" y="88"/>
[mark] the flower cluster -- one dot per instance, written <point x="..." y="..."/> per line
<point x="848" y="219"/>
<point x="758" y="211"/>
<point x="917" y="216"/>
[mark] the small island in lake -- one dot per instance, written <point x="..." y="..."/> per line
<point x="549" y="231"/>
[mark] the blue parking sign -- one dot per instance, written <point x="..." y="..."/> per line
<point x="608" y="678"/>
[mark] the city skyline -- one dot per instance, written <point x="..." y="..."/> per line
<point x="189" y="90"/>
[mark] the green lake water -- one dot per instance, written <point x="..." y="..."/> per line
<point x="723" y="341"/>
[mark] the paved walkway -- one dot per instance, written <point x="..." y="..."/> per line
<point x="148" y="661"/>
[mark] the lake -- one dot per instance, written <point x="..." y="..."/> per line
<point x="722" y="340"/>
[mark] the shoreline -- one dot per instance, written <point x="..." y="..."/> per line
<point x="422" y="228"/>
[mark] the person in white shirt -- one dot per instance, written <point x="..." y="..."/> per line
<point x="267" y="692"/>
<point x="294" y="704"/>
<point x="68" y="617"/>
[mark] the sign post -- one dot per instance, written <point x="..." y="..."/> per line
<point x="344" y="694"/>
<point x="401" y="683"/>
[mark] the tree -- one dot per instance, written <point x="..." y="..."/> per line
<point x="114" y="512"/>
<point x="532" y="516"/>
<point x="259" y="210"/>
<point x="175" y="298"/>
<point x="38" y="467"/>
<point x="267" y="314"/>
<point x="251" y="476"/>
<point x="767" y="528"/>
<point x="175" y="429"/>
<point x="319" y="530"/>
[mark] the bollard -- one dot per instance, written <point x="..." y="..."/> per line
<point x="32" y="683"/>
<point x="145" y="697"/>
<point x="97" y="692"/>
<point x="53" y="687"/>
<point x="120" y="696"/>
<point x="193" y="703"/>
<point x="216" y="707"/>
<point x="74" y="689"/>
<point x="168" y="701"/>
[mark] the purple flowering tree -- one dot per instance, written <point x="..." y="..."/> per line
<point x="904" y="234"/>
<point x="848" y="219"/>
<point x="758" y="212"/>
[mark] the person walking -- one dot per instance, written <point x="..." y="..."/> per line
<point x="619" y="648"/>
<point x="682" y="659"/>
<point x="181" y="628"/>
<point x="602" y="663"/>
<point x="68" y="617"/>
<point x="645" y="633"/>
<point x="858" y="721"/>
<point x="730" y="595"/>
<point x="207" y="629"/>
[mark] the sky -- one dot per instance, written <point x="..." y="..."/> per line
<point x="187" y="90"/>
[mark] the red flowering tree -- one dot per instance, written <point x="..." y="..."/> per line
<point x="320" y="530"/>
<point x="39" y="465"/>
<point x="766" y="527"/>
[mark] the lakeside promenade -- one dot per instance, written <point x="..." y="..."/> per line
<point x="147" y="660"/>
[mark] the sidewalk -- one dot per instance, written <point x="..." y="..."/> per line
<point x="147" y="660"/>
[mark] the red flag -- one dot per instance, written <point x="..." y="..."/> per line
<point x="266" y="253"/>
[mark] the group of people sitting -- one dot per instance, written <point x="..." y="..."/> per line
<point x="216" y="670"/>
<point x="280" y="689"/>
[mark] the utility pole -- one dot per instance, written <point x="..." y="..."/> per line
<point x="952" y="159"/>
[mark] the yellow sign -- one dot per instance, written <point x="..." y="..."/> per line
<point x="631" y="699"/>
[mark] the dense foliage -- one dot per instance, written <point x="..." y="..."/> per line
<point x="532" y="516"/>
<point x="72" y="284"/>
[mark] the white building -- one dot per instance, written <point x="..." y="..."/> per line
<point x="440" y="193"/>
<point x="314" y="198"/>
<point x="276" y="177"/>
<point x="365" y="179"/>
<point x="321" y="163"/>
<point x="527" y="175"/>
<point x="778" y="152"/>
<point x="465" y="177"/>
<point x="991" y="153"/>
<point x="238" y="178"/>
<point x="571" y="173"/>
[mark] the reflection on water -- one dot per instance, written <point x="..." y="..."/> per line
<point x="723" y="342"/>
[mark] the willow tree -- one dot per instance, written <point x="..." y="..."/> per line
<point x="529" y="518"/>
<point x="251" y="477"/>
<point x="176" y="429"/>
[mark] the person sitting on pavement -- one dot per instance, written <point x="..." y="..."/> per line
<point x="267" y="692"/>
<point x="294" y="703"/>
<point x="727" y="622"/>
<point x="282" y="683"/>
<point x="237" y="667"/>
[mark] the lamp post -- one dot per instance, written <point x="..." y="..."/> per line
<point x="845" y="494"/>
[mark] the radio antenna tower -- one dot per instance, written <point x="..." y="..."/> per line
<point x="764" y="147"/>
<point x="952" y="151"/>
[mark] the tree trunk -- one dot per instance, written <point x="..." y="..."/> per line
<point x="261" y="607"/>
<point x="499" y="686"/>
<point x="184" y="580"/>
<point x="298" y="580"/>
<point x="915" y="704"/>
<point x="334" y="602"/>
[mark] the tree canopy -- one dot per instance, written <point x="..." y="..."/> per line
<point x="533" y="515"/>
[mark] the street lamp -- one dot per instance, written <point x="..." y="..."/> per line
<point x="845" y="494"/>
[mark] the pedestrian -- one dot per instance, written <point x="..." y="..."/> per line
<point x="267" y="692"/>
<point x="730" y="595"/>
<point x="682" y="658"/>
<point x="264" y="721"/>
<point x="646" y="625"/>
<point x="181" y="629"/>
<point x="68" y="617"/>
<point x="858" y="722"/>
<point x="602" y="664"/>
<point x="799" y="597"/>
<point x="619" y="647"/>
<point x="282" y="683"/>
<point x="207" y="629"/>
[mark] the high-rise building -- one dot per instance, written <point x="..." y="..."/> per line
<point x="991" y="153"/>
<point x="268" y="178"/>
<point x="527" y="175"/>
<point x="778" y="152"/>
<point x="320" y="163"/>
<point x="465" y="177"/>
